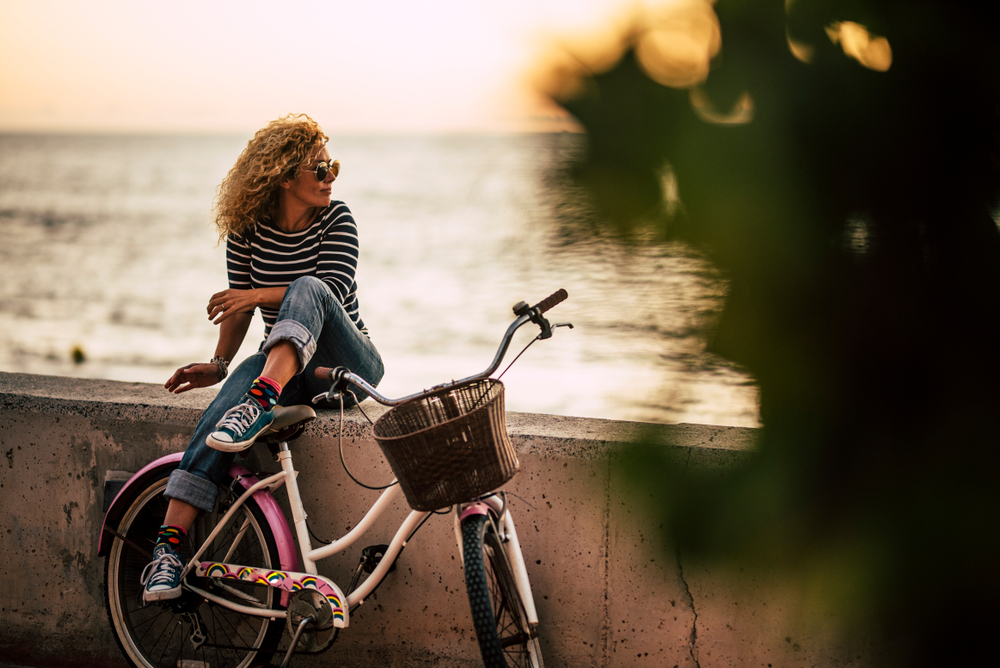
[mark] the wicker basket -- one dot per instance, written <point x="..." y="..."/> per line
<point x="450" y="446"/>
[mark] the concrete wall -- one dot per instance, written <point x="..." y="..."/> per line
<point x="606" y="595"/>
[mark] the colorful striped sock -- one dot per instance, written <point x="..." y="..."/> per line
<point x="265" y="392"/>
<point x="171" y="535"/>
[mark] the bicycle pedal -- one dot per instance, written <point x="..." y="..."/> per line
<point x="372" y="557"/>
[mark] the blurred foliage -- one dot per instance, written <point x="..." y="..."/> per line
<point x="849" y="198"/>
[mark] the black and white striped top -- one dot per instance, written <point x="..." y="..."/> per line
<point x="266" y="257"/>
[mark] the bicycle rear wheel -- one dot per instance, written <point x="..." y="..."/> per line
<point x="506" y="640"/>
<point x="190" y="631"/>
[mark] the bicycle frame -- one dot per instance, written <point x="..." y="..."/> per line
<point x="288" y="581"/>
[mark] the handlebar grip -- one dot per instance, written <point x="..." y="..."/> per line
<point x="324" y="373"/>
<point x="550" y="301"/>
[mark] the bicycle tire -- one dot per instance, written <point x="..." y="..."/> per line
<point x="160" y="634"/>
<point x="506" y="640"/>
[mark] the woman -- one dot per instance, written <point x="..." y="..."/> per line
<point x="292" y="252"/>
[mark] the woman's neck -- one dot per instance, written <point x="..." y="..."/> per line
<point x="295" y="219"/>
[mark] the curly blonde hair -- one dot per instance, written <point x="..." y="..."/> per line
<point x="250" y="190"/>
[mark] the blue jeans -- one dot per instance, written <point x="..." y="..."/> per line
<point x="315" y="322"/>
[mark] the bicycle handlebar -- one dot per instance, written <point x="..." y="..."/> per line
<point x="555" y="298"/>
<point x="340" y="376"/>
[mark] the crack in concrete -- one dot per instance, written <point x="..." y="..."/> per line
<point x="693" y="637"/>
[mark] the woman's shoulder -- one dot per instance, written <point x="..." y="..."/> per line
<point x="243" y="238"/>
<point x="337" y="207"/>
<point x="337" y="214"/>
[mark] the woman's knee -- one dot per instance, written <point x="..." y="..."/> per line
<point x="307" y="284"/>
<point x="306" y="297"/>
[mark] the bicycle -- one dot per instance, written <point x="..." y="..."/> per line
<point x="448" y="449"/>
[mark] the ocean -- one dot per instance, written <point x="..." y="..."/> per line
<point x="109" y="257"/>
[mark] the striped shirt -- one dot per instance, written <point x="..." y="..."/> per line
<point x="266" y="257"/>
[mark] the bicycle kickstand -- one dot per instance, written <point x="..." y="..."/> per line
<point x="306" y="621"/>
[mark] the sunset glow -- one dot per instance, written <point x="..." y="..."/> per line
<point x="226" y="65"/>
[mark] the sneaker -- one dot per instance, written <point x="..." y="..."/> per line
<point x="161" y="579"/>
<point x="240" y="427"/>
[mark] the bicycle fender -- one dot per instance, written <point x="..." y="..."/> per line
<point x="462" y="513"/>
<point x="272" y="511"/>
<point x="119" y="505"/>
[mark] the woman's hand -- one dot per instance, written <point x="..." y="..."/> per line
<point x="227" y="303"/>
<point x="199" y="374"/>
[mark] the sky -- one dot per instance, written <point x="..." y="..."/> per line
<point x="356" y="66"/>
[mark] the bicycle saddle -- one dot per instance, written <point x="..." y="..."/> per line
<point x="289" y="421"/>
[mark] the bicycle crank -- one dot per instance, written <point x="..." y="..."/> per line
<point x="310" y="621"/>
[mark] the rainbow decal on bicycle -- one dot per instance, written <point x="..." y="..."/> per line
<point x="284" y="580"/>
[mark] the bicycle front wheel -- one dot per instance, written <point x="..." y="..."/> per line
<point x="506" y="640"/>
<point x="190" y="630"/>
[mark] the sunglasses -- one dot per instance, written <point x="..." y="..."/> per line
<point x="324" y="168"/>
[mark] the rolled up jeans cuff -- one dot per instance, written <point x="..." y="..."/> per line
<point x="300" y="337"/>
<point x="192" y="489"/>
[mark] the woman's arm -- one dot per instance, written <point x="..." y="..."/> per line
<point x="338" y="254"/>
<point x="223" y="305"/>
<point x="241" y="297"/>
<point x="203" y="374"/>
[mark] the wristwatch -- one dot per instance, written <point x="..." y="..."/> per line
<point x="223" y="365"/>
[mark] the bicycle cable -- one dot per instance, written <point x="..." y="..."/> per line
<point x="522" y="499"/>
<point x="422" y="523"/>
<point x="358" y="404"/>
<point x="340" y="446"/>
<point x="315" y="537"/>
<point x="518" y="356"/>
